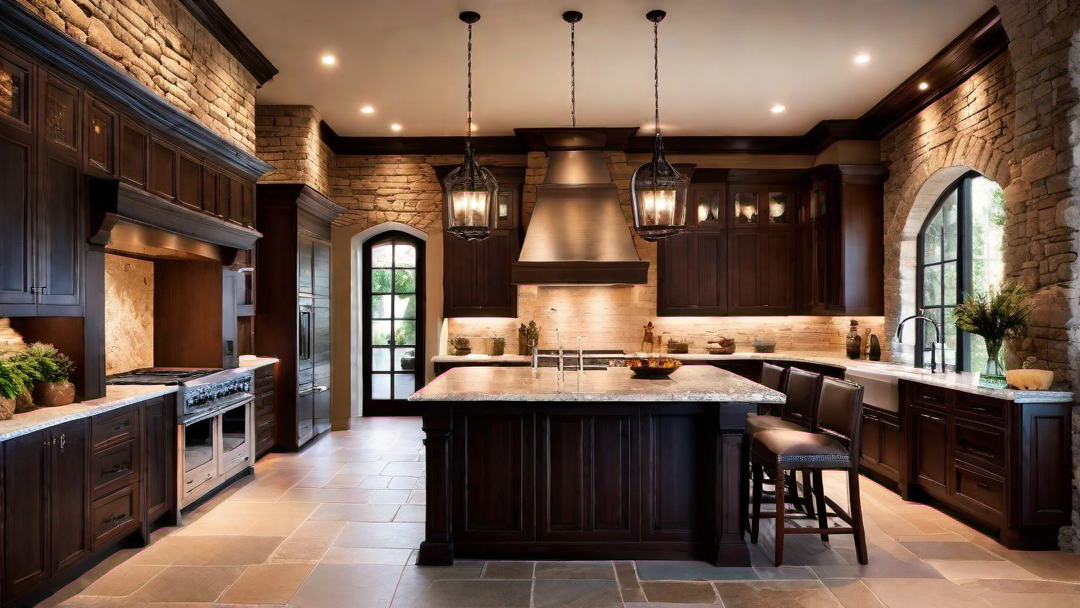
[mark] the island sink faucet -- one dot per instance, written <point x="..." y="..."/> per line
<point x="933" y="345"/>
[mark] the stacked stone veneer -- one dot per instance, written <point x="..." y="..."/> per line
<point x="1016" y="122"/>
<point x="288" y="138"/>
<point x="160" y="45"/>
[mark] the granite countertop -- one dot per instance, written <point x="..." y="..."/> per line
<point x="966" y="382"/>
<point x="254" y="361"/>
<point x="116" y="396"/>
<point x="689" y="383"/>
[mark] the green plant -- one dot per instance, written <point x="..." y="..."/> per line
<point x="999" y="314"/>
<point x="46" y="364"/>
<point x="14" y="380"/>
<point x="460" y="343"/>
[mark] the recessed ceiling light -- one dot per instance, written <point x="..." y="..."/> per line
<point x="923" y="86"/>
<point x="329" y="60"/>
<point x="862" y="58"/>
<point x="778" y="108"/>
<point x="367" y="110"/>
<point x="396" y="127"/>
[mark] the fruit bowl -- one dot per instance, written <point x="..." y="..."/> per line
<point x="1030" y="379"/>
<point x="660" y="367"/>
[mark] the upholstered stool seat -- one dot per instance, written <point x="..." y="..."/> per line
<point x="756" y="424"/>
<point x="798" y="449"/>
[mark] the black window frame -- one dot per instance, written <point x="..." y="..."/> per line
<point x="962" y="187"/>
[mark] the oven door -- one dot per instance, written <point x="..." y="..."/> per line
<point x="236" y="432"/>
<point x="199" y="463"/>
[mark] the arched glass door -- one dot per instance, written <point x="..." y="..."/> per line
<point x="393" y="299"/>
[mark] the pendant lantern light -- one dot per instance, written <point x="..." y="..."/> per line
<point x="470" y="189"/>
<point x="658" y="192"/>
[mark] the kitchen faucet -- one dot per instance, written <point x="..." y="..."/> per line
<point x="933" y="345"/>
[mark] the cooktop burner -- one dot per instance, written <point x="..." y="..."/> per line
<point x="159" y="375"/>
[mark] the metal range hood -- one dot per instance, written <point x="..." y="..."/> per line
<point x="578" y="234"/>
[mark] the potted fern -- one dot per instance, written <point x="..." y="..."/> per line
<point x="999" y="314"/>
<point x="12" y="385"/>
<point x="51" y="371"/>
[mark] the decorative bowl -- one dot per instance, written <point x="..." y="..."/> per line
<point x="1030" y="379"/>
<point x="660" y="367"/>
<point x="764" y="344"/>
<point x="725" y="347"/>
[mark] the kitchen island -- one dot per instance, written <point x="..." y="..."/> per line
<point x="531" y="463"/>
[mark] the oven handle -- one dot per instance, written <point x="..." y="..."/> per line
<point x="200" y="416"/>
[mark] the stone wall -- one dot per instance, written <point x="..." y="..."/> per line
<point x="159" y="44"/>
<point x="129" y="314"/>
<point x="1017" y="122"/>
<point x="288" y="138"/>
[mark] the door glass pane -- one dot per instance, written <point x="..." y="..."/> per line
<point x="404" y="333"/>
<point x="380" y="281"/>
<point x="404" y="281"/>
<point x="60" y="116"/>
<point x="233" y="429"/>
<point x="380" y="359"/>
<point x="746" y="207"/>
<point x="380" y="333"/>
<point x="382" y="256"/>
<point x="404" y="385"/>
<point x="405" y="307"/>
<point x="404" y="256"/>
<point x="932" y="240"/>
<point x="380" y="386"/>
<point x="198" y="444"/>
<point x="948" y="295"/>
<point x="504" y="206"/>
<point x="13" y="91"/>
<point x="931" y="285"/>
<point x="380" y="307"/>
<point x="404" y="359"/>
<point x="948" y="214"/>
<point x="778" y="208"/>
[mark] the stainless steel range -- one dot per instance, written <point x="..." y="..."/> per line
<point x="216" y="414"/>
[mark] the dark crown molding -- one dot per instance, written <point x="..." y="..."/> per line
<point x="33" y="36"/>
<point x="210" y="15"/>
<point x="969" y="52"/>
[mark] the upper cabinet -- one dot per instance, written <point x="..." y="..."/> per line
<point x="777" y="243"/>
<point x="476" y="274"/>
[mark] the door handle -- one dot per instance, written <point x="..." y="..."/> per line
<point x="63" y="442"/>
<point x="321" y="389"/>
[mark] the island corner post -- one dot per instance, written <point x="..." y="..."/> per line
<point x="585" y="479"/>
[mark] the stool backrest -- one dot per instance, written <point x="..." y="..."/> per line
<point x="840" y="412"/>
<point x="802" y="388"/>
<point x="772" y="376"/>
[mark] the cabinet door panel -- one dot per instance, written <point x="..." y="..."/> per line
<point x="892" y="447"/>
<point x="134" y="144"/>
<point x="60" y="234"/>
<point x="305" y="413"/>
<point x="61" y="115"/>
<point x="777" y="287"/>
<point x="494" y="456"/>
<point x="70" y="494"/>
<point x="100" y="138"/>
<point x="932" y="452"/>
<point x="26" y="513"/>
<point x="679" y="450"/>
<point x="15" y="242"/>
<point x="160" y="477"/>
<point x="305" y="257"/>
<point x="320" y="270"/>
<point x="189" y="184"/>
<point x="162" y="169"/>
<point x="709" y="257"/>
<point x="675" y="273"/>
<point x="871" y="439"/>
<point x="745" y="274"/>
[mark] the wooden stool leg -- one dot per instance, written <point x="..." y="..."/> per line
<point x="779" y="516"/>
<point x="792" y="480"/>
<point x="819" y="494"/>
<point x="856" y="516"/>
<point x="756" y="518"/>
<point x="807" y="493"/>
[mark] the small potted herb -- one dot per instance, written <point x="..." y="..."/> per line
<point x="461" y="346"/>
<point x="997" y="315"/>
<point x="528" y="337"/>
<point x="51" y="372"/>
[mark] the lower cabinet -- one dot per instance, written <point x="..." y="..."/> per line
<point x="46" y="505"/>
<point x="81" y="487"/>
<point x="882" y="444"/>
<point x="265" y="420"/>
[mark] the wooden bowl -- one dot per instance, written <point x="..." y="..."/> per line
<point x="1030" y="379"/>
<point x="653" y="368"/>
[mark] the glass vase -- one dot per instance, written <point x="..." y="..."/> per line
<point x="993" y="375"/>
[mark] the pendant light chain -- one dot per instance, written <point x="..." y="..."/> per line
<point x="656" y="74"/>
<point x="468" y="129"/>
<point x="573" y="79"/>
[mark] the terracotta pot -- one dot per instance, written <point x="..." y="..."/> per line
<point x="7" y="408"/>
<point x="24" y="403"/>
<point x="51" y="394"/>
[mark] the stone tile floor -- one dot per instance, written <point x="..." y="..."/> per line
<point x="337" y="526"/>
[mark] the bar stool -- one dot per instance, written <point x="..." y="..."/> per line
<point x="833" y="445"/>
<point x="801" y="388"/>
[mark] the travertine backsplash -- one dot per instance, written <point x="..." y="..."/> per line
<point x="614" y="316"/>
<point x="129" y="314"/>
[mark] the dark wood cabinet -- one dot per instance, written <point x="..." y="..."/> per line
<point x="265" y="427"/>
<point x="292" y="312"/>
<point x="46" y="505"/>
<point x="882" y="444"/>
<point x="101" y="143"/>
<point x="761" y="252"/>
<point x="159" y="468"/>
<point x="476" y="274"/>
<point x="692" y="276"/>
<point x="1005" y="465"/>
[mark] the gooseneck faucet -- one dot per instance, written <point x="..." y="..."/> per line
<point x="933" y="345"/>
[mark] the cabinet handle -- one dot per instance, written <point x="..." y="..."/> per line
<point x="113" y="518"/>
<point x="977" y="408"/>
<point x="120" y="426"/>
<point x="63" y="442"/>
<point x="123" y="466"/>
<point x="934" y="418"/>
<point x="44" y="289"/>
<point x="978" y="452"/>
<point x="981" y="486"/>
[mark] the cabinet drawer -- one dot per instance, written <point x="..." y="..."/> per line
<point x="982" y="444"/>
<point x="199" y="477"/>
<point x="115" y="427"/>
<point x="114" y="467"/>
<point x="115" y="515"/>
<point x="980" y="491"/>
<point x="980" y="406"/>
<point x="264" y="406"/>
<point x="264" y="431"/>
<point x="264" y="378"/>
<point x="932" y="397"/>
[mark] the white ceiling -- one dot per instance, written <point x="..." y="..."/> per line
<point x="723" y="63"/>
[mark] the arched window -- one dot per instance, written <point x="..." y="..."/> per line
<point x="960" y="252"/>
